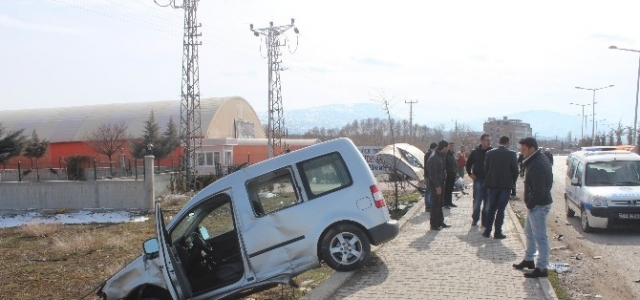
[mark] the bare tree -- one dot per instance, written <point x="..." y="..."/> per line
<point x="107" y="139"/>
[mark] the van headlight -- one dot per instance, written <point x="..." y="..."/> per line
<point x="599" y="201"/>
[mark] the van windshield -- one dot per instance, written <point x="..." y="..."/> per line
<point x="613" y="173"/>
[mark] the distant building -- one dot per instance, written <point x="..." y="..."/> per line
<point x="515" y="129"/>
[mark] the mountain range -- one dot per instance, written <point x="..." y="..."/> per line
<point x="544" y="123"/>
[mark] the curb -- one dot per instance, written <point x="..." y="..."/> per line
<point x="337" y="279"/>
<point x="547" y="289"/>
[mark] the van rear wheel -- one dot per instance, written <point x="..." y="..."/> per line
<point x="569" y="212"/>
<point x="345" y="247"/>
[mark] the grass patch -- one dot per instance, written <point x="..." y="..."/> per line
<point x="405" y="202"/>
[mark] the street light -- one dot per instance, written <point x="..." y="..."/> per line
<point x="635" y="111"/>
<point x="593" y="106"/>
<point x="583" y="121"/>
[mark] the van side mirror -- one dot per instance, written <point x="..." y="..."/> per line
<point x="575" y="182"/>
<point x="150" y="248"/>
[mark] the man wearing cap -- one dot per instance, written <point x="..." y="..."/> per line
<point x="437" y="174"/>
<point x="537" y="197"/>
<point x="427" y="190"/>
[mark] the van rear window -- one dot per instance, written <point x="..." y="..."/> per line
<point x="324" y="174"/>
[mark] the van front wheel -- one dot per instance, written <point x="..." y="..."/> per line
<point x="585" y="221"/>
<point x="345" y="247"/>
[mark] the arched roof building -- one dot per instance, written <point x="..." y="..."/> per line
<point x="226" y="117"/>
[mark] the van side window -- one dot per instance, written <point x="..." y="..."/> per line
<point x="324" y="174"/>
<point x="272" y="191"/>
<point x="572" y="168"/>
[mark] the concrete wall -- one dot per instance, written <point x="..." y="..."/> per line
<point x="80" y="195"/>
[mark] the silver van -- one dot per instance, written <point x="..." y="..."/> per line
<point x="261" y="226"/>
<point x="604" y="188"/>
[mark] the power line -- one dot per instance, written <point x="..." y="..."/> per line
<point x="275" y="125"/>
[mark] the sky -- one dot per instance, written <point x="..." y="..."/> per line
<point x="459" y="60"/>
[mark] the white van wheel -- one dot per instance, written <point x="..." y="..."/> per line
<point x="569" y="212"/>
<point x="345" y="247"/>
<point x="585" y="221"/>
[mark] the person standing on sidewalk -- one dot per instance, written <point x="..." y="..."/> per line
<point x="475" y="169"/>
<point x="500" y="166"/>
<point x="427" y="190"/>
<point x="437" y="174"/>
<point x="461" y="160"/>
<point x="537" y="196"/>
<point x="450" y="179"/>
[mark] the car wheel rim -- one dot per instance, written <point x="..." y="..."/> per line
<point x="346" y="248"/>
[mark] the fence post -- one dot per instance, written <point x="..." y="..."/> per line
<point x="136" y="167"/>
<point x="19" y="172"/>
<point x="95" y="171"/>
<point x="148" y="181"/>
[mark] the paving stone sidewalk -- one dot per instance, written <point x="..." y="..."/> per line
<point x="453" y="263"/>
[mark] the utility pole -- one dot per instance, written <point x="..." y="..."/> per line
<point x="190" y="121"/>
<point x="275" y="125"/>
<point x="411" y="102"/>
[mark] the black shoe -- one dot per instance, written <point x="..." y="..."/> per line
<point x="499" y="236"/>
<point x="446" y="207"/>
<point x="435" y="228"/>
<point x="443" y="225"/>
<point x="453" y="205"/>
<point x="525" y="264"/>
<point x="486" y="234"/>
<point x="537" y="272"/>
<point x="474" y="223"/>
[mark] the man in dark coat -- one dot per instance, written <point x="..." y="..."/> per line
<point x="437" y="174"/>
<point x="537" y="197"/>
<point x="475" y="169"/>
<point x="450" y="179"/>
<point x="427" y="190"/>
<point x="500" y="167"/>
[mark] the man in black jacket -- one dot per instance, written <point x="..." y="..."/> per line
<point x="437" y="173"/>
<point x="500" y="166"/>
<point x="450" y="161"/>
<point x="475" y="169"/>
<point x="537" y="197"/>
<point x="427" y="190"/>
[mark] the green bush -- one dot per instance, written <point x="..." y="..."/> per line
<point x="76" y="165"/>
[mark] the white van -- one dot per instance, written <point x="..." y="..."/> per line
<point x="261" y="226"/>
<point x="604" y="188"/>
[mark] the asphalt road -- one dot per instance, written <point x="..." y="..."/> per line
<point x="617" y="250"/>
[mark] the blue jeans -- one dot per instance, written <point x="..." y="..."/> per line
<point x="427" y="195"/>
<point x="498" y="200"/>
<point x="535" y="229"/>
<point x="480" y="196"/>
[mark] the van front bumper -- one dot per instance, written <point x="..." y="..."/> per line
<point x="384" y="232"/>
<point x="617" y="217"/>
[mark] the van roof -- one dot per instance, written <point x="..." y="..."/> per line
<point x="609" y="155"/>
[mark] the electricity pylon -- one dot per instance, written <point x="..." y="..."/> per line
<point x="190" y="120"/>
<point x="275" y="125"/>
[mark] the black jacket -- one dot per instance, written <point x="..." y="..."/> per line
<point x="436" y="167"/>
<point x="475" y="162"/>
<point x="426" y="159"/>
<point x="450" y="161"/>
<point x="538" y="180"/>
<point x="500" y="167"/>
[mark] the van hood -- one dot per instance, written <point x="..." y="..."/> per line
<point x="617" y="192"/>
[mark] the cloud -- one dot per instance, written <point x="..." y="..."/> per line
<point x="375" y="62"/>
<point x="15" y="23"/>
<point x="611" y="38"/>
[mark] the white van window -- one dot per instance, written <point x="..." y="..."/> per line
<point x="579" y="172"/>
<point x="572" y="167"/>
<point x="324" y="174"/>
<point x="273" y="191"/>
<point x="619" y="173"/>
